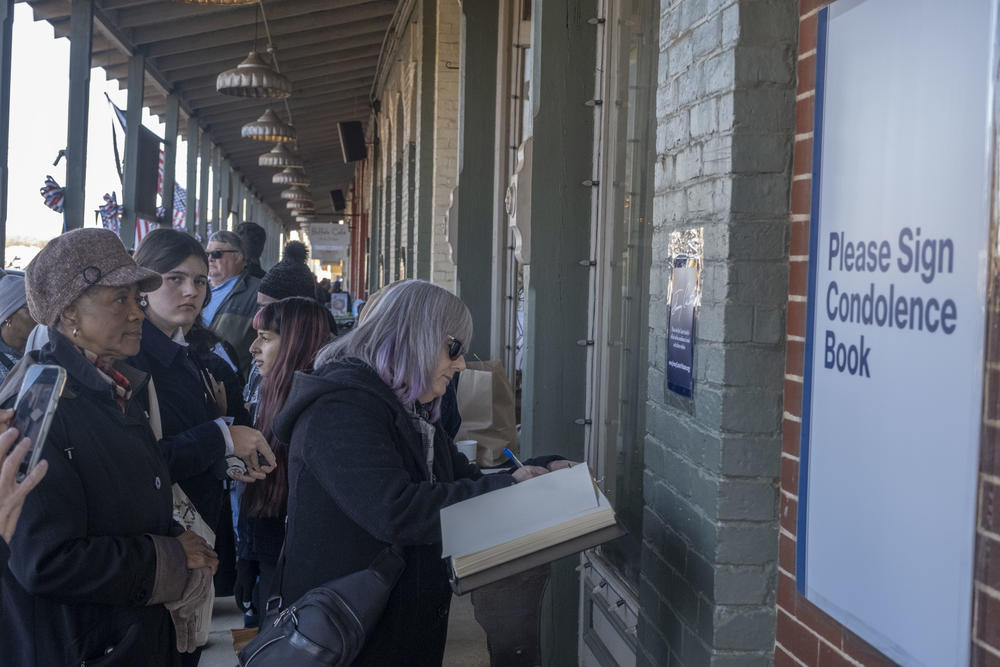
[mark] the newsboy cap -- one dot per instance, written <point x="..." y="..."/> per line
<point x="75" y="261"/>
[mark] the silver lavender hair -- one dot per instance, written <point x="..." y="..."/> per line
<point x="401" y="335"/>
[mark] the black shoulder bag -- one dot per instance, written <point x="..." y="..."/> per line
<point x="329" y="624"/>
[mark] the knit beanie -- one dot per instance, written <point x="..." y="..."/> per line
<point x="12" y="295"/>
<point x="290" y="276"/>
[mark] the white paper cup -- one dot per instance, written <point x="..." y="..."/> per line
<point x="468" y="447"/>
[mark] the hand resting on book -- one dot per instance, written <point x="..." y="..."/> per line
<point x="527" y="472"/>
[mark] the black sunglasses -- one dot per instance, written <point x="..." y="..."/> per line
<point x="455" y="348"/>
<point x="217" y="254"/>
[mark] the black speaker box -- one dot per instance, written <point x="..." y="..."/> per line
<point x="352" y="140"/>
<point x="147" y="174"/>
<point x="337" y="199"/>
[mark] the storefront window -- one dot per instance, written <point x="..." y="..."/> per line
<point x="625" y="236"/>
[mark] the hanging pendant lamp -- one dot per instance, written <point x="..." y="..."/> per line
<point x="254" y="77"/>
<point x="300" y="205"/>
<point x="219" y="2"/>
<point x="280" y="157"/>
<point x="296" y="193"/>
<point x="291" y="176"/>
<point x="269" y="128"/>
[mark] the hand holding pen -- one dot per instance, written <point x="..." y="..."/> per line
<point x="523" y="472"/>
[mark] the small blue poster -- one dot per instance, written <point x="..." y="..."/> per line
<point x="680" y="339"/>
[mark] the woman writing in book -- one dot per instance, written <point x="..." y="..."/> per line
<point x="370" y="465"/>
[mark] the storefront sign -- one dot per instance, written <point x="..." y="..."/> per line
<point x="680" y="340"/>
<point x="329" y="241"/>
<point x="894" y="348"/>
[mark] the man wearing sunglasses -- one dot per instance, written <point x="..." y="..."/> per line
<point x="233" y="304"/>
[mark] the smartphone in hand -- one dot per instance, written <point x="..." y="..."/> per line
<point x="34" y="409"/>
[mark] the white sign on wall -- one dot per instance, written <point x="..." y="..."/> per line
<point x="329" y="241"/>
<point x="898" y="261"/>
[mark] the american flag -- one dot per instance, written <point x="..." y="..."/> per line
<point x="111" y="213"/>
<point x="53" y="194"/>
<point x="143" y="226"/>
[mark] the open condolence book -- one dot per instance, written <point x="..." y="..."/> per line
<point x="511" y="530"/>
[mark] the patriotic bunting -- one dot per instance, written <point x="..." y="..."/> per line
<point x="111" y="213"/>
<point x="52" y="193"/>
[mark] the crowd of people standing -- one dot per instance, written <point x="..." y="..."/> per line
<point x="212" y="416"/>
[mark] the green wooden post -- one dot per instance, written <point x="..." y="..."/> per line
<point x="476" y="147"/>
<point x="191" y="205"/>
<point x="81" y="35"/>
<point x="6" y="36"/>
<point x="170" y="158"/>
<point x="133" y="114"/>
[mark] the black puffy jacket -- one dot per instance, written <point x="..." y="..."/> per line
<point x="358" y="482"/>
<point x="82" y="561"/>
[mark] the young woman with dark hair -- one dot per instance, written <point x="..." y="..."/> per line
<point x="202" y="416"/>
<point x="290" y="333"/>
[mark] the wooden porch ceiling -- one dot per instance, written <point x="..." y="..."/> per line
<point x="328" y="48"/>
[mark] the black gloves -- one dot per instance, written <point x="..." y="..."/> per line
<point x="246" y="577"/>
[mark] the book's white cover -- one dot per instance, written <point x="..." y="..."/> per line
<point x="516" y="511"/>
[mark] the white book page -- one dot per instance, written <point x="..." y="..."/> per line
<point x="522" y="509"/>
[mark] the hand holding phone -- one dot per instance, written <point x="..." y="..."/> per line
<point x="34" y="409"/>
<point x="12" y="492"/>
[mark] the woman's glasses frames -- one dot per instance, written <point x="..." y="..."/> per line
<point x="455" y="348"/>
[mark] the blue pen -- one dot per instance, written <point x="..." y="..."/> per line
<point x="513" y="458"/>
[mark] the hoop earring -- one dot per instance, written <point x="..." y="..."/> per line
<point x="76" y="332"/>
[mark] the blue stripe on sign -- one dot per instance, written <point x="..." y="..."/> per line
<point x="800" y="539"/>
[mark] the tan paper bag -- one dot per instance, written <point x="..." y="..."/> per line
<point x="486" y="403"/>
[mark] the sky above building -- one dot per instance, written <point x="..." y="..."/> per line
<point x="38" y="119"/>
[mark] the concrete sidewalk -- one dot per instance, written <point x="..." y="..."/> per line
<point x="466" y="639"/>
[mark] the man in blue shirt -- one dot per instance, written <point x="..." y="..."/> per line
<point x="230" y="311"/>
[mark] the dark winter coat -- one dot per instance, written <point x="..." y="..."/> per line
<point x="233" y="321"/>
<point x="358" y="482"/>
<point x="84" y="557"/>
<point x="193" y="445"/>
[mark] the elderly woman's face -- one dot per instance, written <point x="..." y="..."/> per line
<point x="443" y="372"/>
<point x="106" y="321"/>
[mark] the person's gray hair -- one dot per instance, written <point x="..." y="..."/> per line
<point x="232" y="238"/>
<point x="402" y="335"/>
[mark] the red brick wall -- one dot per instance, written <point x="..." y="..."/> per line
<point x="986" y="587"/>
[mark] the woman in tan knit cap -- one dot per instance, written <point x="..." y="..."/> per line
<point x="98" y="566"/>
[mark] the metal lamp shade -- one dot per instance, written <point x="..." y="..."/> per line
<point x="280" y="157"/>
<point x="296" y="193"/>
<point x="269" y="128"/>
<point x="299" y="205"/>
<point x="254" y="77"/>
<point x="291" y="176"/>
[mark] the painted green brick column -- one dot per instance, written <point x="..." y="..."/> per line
<point x="554" y="385"/>
<point x="476" y="137"/>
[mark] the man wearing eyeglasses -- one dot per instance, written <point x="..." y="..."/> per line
<point x="230" y="311"/>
